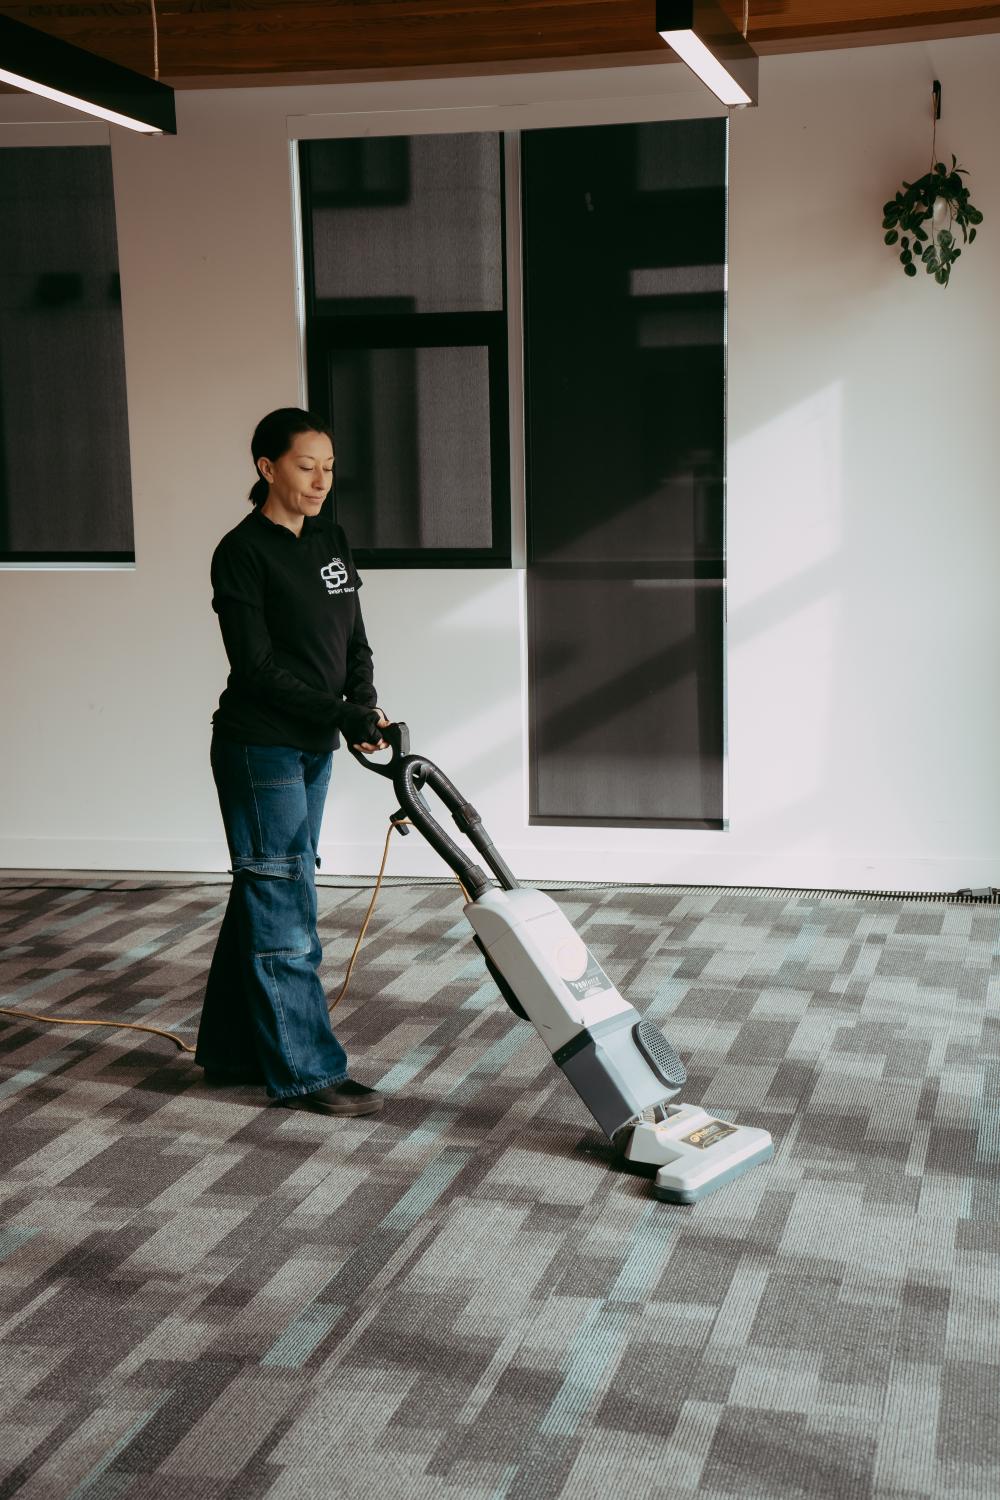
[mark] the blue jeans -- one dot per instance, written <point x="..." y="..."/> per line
<point x="265" y="1013"/>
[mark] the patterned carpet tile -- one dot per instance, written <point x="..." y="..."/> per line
<point x="469" y="1296"/>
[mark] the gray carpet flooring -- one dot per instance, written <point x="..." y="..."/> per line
<point x="203" y="1297"/>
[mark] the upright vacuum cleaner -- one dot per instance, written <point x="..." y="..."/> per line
<point x="622" y="1067"/>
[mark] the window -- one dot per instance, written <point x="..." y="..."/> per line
<point x="65" y="481"/>
<point x="406" y="342"/>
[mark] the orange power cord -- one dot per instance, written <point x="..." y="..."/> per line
<point x="170" y="1036"/>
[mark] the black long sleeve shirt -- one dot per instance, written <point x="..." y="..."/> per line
<point x="292" y="628"/>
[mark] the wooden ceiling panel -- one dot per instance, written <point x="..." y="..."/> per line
<point x="234" y="39"/>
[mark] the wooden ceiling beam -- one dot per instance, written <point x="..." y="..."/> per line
<point x="233" y="40"/>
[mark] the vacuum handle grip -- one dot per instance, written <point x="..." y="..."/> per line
<point x="397" y="737"/>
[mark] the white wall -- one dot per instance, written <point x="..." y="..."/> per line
<point x="863" y="621"/>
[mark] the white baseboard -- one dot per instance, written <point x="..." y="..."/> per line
<point x="412" y="856"/>
<point x="105" y="855"/>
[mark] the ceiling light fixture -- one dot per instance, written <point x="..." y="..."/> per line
<point x="41" y="64"/>
<point x="702" y="34"/>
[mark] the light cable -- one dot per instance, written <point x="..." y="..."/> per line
<point x="934" y="120"/>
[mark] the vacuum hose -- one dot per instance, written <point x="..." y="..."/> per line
<point x="409" y="774"/>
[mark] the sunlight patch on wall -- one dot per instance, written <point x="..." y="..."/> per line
<point x="785" y="497"/>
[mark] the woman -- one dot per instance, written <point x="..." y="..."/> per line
<point x="285" y="590"/>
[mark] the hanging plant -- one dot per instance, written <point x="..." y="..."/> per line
<point x="921" y="218"/>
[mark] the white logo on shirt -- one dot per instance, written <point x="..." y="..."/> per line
<point x="334" y="575"/>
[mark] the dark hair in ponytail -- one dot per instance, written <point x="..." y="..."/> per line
<point x="274" y="435"/>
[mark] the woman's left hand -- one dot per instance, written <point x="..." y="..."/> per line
<point x="381" y="744"/>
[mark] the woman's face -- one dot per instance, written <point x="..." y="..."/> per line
<point x="301" y="478"/>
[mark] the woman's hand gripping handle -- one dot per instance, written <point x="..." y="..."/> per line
<point x="395" y="737"/>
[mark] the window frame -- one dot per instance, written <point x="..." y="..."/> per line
<point x="325" y="329"/>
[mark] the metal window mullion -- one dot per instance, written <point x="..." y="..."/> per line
<point x="412" y="330"/>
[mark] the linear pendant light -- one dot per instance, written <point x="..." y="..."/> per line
<point x="702" y="34"/>
<point x="41" y="64"/>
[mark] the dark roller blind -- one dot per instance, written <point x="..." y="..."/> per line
<point x="65" y="480"/>
<point x="413" y="446"/>
<point x="624" y="260"/>
<point x="407" y="223"/>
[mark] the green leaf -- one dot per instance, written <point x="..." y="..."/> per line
<point x="941" y="277"/>
<point x="891" y="237"/>
<point x="972" y="235"/>
<point x="940" y="167"/>
<point x="910" y="270"/>
<point x="953" y="160"/>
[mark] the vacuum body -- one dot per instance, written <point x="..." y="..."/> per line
<point x="618" y="1063"/>
<point x="622" y="1067"/>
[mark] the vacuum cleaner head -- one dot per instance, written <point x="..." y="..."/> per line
<point x="693" y="1152"/>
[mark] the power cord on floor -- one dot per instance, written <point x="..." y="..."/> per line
<point x="394" y="823"/>
<point x="27" y="1015"/>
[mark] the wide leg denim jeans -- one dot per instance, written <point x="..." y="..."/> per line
<point x="265" y="1013"/>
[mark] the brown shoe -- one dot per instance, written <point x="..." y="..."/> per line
<point x="344" y="1098"/>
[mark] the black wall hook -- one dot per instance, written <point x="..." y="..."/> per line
<point x="936" y="91"/>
